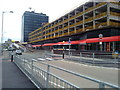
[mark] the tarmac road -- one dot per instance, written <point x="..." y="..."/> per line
<point x="109" y="75"/>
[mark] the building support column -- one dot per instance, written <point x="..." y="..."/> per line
<point x="94" y="17"/>
<point x="104" y="46"/>
<point x="108" y="46"/>
<point x="83" y="18"/>
<point x="113" y="46"/>
<point x="75" y="21"/>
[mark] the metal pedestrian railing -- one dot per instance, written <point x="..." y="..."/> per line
<point x="41" y="78"/>
<point x="46" y="79"/>
<point x="101" y="59"/>
<point x="93" y="58"/>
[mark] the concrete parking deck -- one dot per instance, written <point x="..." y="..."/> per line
<point x="12" y="76"/>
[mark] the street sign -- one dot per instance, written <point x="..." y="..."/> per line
<point x="100" y="38"/>
<point x="100" y="35"/>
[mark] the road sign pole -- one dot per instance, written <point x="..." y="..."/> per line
<point x="100" y="38"/>
<point x="69" y="45"/>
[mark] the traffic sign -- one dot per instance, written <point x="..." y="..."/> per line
<point x="100" y="35"/>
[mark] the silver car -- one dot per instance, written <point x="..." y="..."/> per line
<point x="18" y="52"/>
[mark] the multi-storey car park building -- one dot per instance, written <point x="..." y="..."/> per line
<point x="32" y="21"/>
<point x="91" y="26"/>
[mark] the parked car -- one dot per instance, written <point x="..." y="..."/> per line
<point x="18" y="52"/>
<point x="5" y="49"/>
<point x="9" y="49"/>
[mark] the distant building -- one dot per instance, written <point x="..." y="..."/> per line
<point x="32" y="21"/>
<point x="92" y="26"/>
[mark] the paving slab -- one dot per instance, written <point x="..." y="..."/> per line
<point x="13" y="77"/>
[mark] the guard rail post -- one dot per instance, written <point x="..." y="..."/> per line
<point x="31" y="68"/>
<point x="101" y="86"/>
<point x="47" y="76"/>
<point x="71" y="54"/>
<point x="93" y="57"/>
<point x="24" y="62"/>
<point x="80" y="54"/>
<point x="116" y="64"/>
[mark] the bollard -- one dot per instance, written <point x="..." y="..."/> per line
<point x="63" y="55"/>
<point x="11" y="58"/>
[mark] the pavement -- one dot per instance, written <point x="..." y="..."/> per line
<point x="12" y="76"/>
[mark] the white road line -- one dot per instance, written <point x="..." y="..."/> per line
<point x="49" y="59"/>
<point x="34" y="60"/>
<point x="41" y="59"/>
<point x="89" y="65"/>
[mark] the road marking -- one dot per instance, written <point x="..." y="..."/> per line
<point x="28" y="66"/>
<point x="41" y="59"/>
<point x="34" y="60"/>
<point x="50" y="59"/>
<point x="89" y="65"/>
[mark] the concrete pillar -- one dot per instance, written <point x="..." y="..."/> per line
<point x="104" y="46"/>
<point x="108" y="13"/>
<point x="113" y="46"/>
<point x="94" y="16"/>
<point x="83" y="18"/>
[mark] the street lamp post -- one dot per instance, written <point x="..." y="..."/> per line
<point x="2" y="29"/>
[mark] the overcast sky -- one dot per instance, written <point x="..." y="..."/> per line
<point x="12" y="21"/>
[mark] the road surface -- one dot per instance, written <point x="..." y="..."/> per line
<point x="109" y="75"/>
